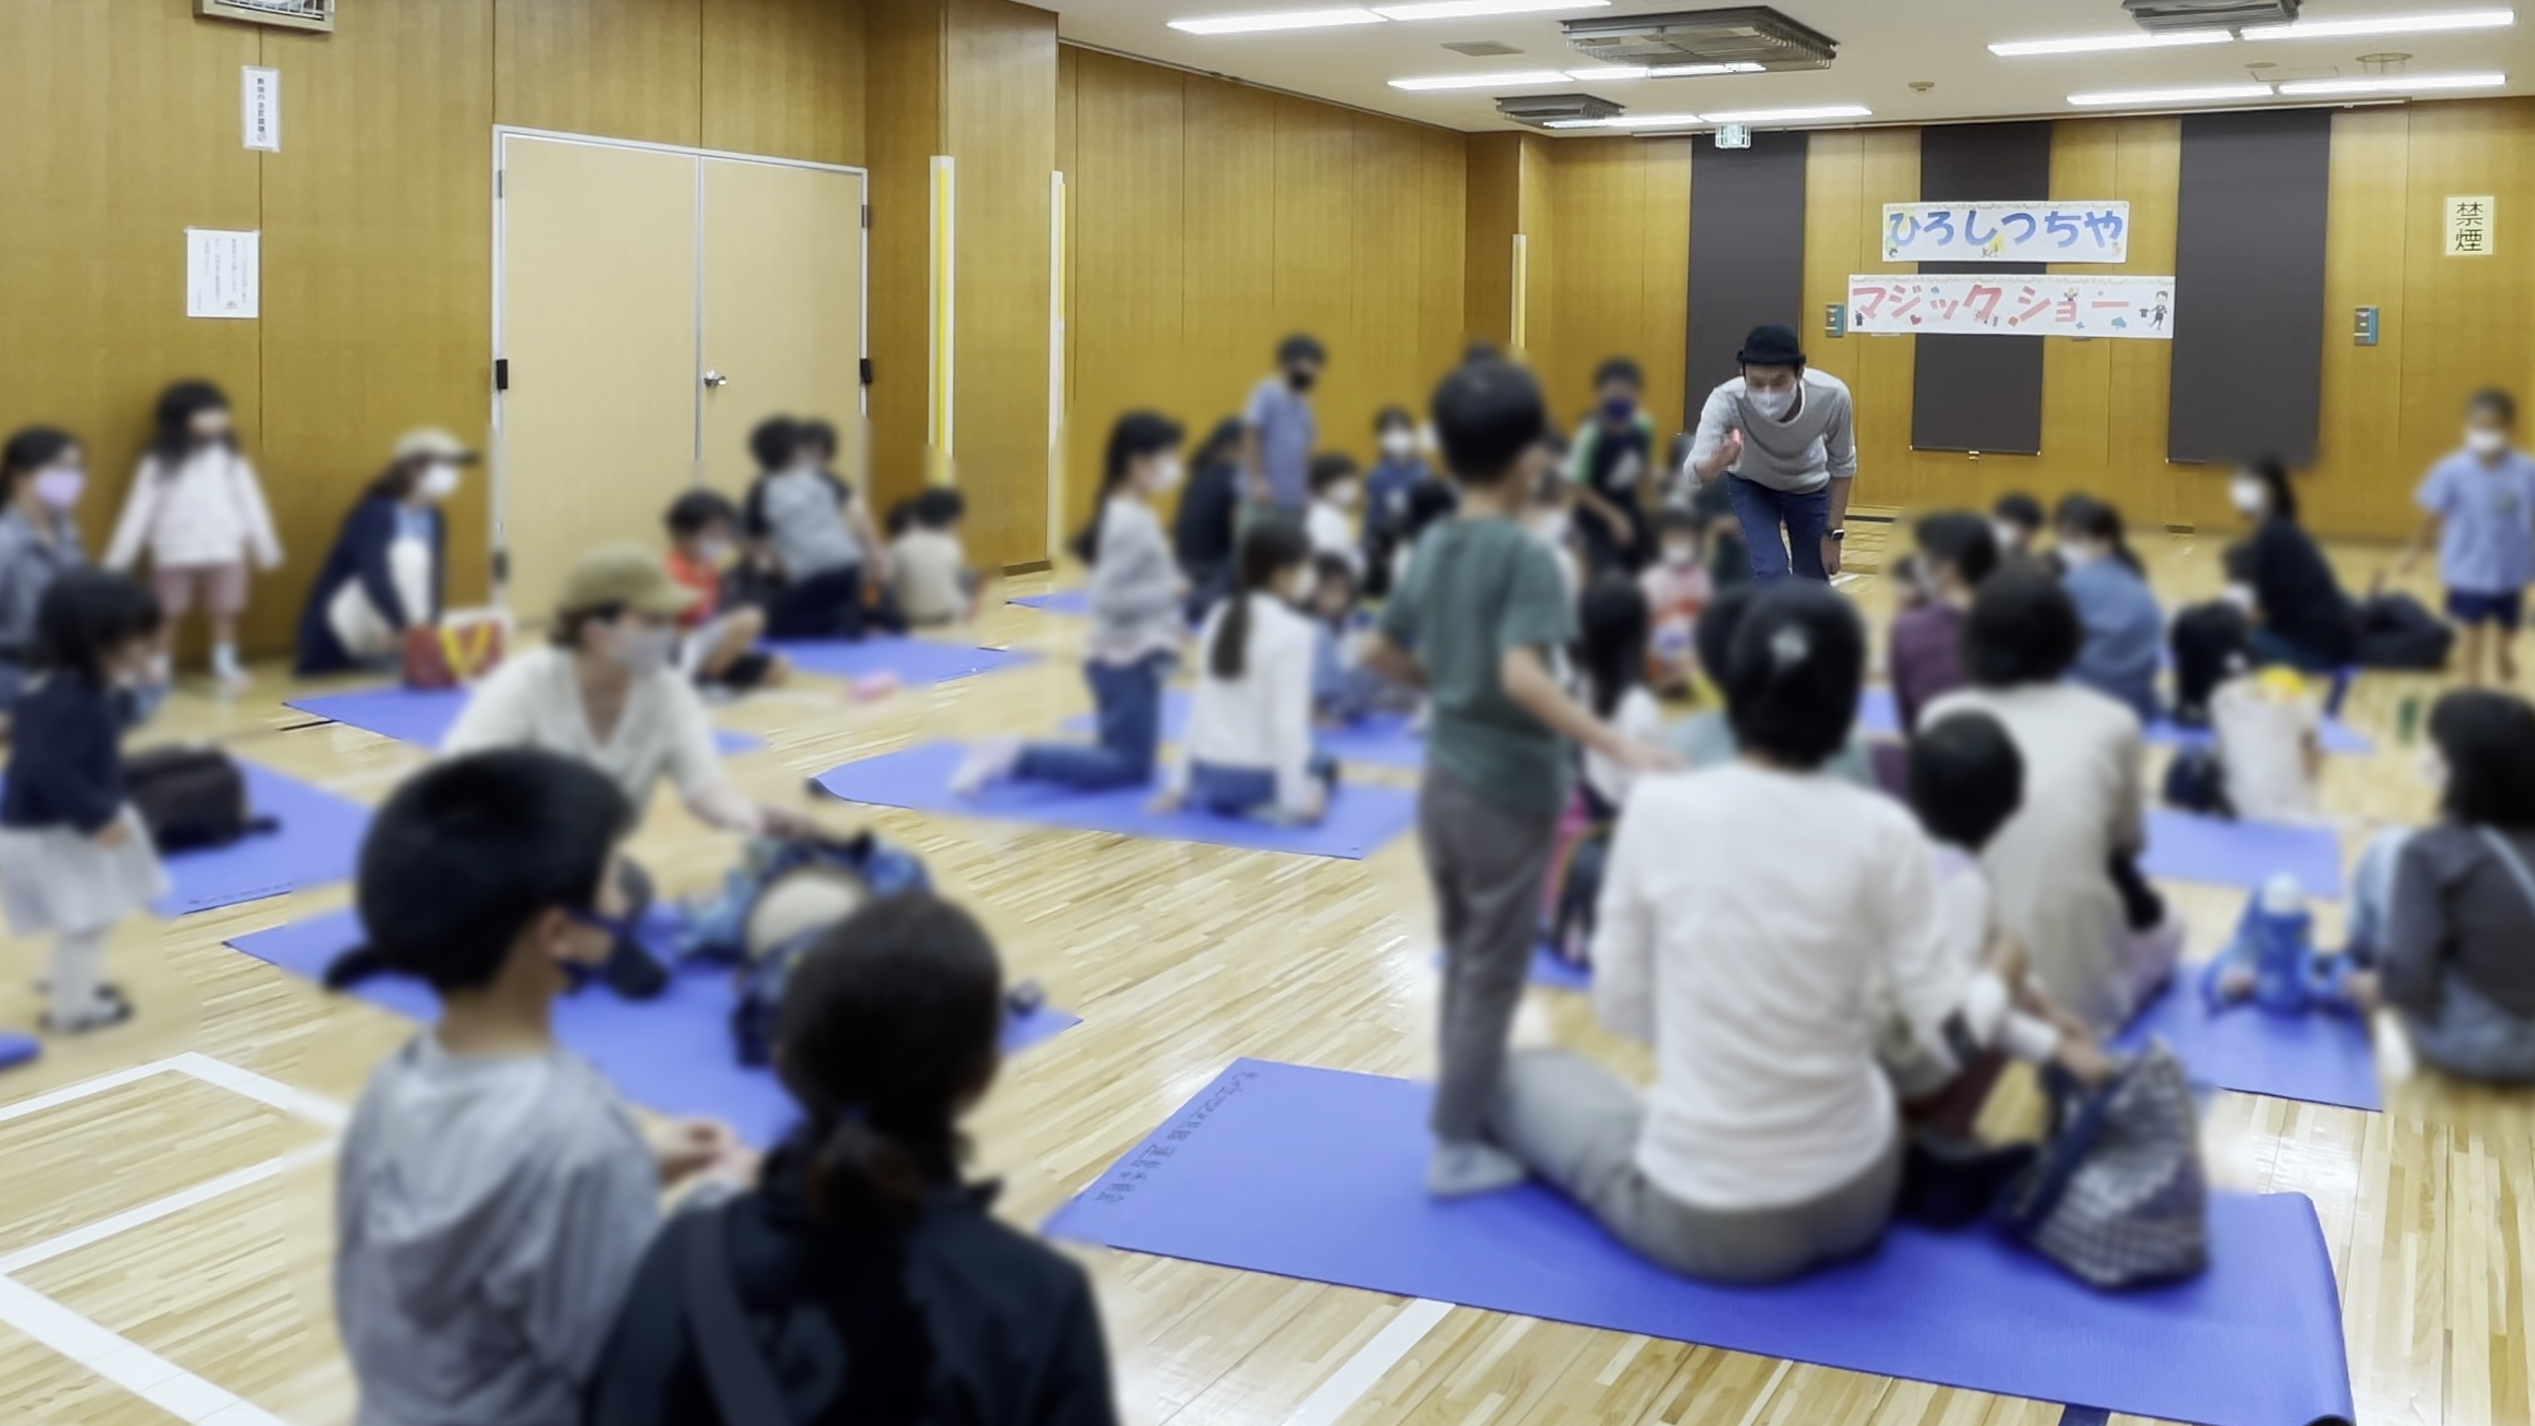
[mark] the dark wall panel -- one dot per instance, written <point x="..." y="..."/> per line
<point x="2249" y="286"/>
<point x="1980" y="393"/>
<point x="1746" y="252"/>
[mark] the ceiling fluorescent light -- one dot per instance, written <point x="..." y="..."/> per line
<point x="1279" y="20"/>
<point x="1615" y="71"/>
<point x="1789" y="116"/>
<point x="1655" y="121"/>
<point x="2402" y="84"/>
<point x="2090" y="44"/>
<point x="2385" y="25"/>
<point x="1464" y="9"/>
<point x="2212" y="94"/>
<point x="1501" y="79"/>
<point x="1577" y="124"/>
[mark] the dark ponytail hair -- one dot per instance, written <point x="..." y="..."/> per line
<point x="1138" y="433"/>
<point x="2097" y="520"/>
<point x="889" y="1026"/>
<point x="29" y="451"/>
<point x="177" y="407"/>
<point x="1614" y="620"/>
<point x="1271" y="547"/>
<point x="1794" y="673"/>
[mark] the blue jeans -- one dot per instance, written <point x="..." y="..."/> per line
<point x="1129" y="700"/>
<point x="1248" y="791"/>
<point x="1762" y="512"/>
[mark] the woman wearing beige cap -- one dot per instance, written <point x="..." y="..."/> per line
<point x="607" y="692"/>
<point x="383" y="575"/>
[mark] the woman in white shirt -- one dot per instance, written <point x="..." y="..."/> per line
<point x="197" y="505"/>
<point x="608" y="693"/>
<point x="1748" y="916"/>
<point x="1248" y="750"/>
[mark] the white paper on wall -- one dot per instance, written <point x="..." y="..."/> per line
<point x="2012" y="304"/>
<point x="221" y="272"/>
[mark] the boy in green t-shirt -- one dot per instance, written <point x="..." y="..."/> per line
<point x="1475" y="625"/>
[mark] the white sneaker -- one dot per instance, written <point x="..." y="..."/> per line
<point x="989" y="761"/>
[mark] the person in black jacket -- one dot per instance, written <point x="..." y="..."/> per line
<point x="1209" y="509"/>
<point x="873" y="1285"/>
<point x="2306" y="622"/>
<point x="384" y="574"/>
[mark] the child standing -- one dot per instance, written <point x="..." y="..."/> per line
<point x="197" y="505"/>
<point x="717" y="647"/>
<point x="74" y="857"/>
<point x="934" y="583"/>
<point x="1136" y="630"/>
<point x="2481" y="504"/>
<point x="1676" y="587"/>
<point x="1475" y="624"/>
<point x="1331" y="519"/>
<point x="494" y="1194"/>
<point x="1249" y="746"/>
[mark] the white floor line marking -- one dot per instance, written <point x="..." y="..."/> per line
<point x="73" y="1093"/>
<point x="174" y="1203"/>
<point x="1371" y="1362"/>
<point x="136" y="1369"/>
<point x="298" y="1103"/>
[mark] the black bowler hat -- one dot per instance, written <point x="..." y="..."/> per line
<point x="1771" y="346"/>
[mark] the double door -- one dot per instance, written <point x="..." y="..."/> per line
<point x="651" y="306"/>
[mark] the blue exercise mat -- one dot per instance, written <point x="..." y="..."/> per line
<point x="918" y="663"/>
<point x="673" y="1053"/>
<point x="424" y="716"/>
<point x="2185" y="846"/>
<point x="1320" y="1175"/>
<point x="318" y="841"/>
<point x="16" y="1050"/>
<point x="1877" y="713"/>
<point x="2321" y="1057"/>
<point x="1062" y="601"/>
<point x="1376" y="740"/>
<point x="1362" y="816"/>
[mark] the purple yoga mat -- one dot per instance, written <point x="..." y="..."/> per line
<point x="424" y="716"/>
<point x="317" y="841"/>
<point x="1877" y="713"/>
<point x="2184" y="846"/>
<point x="1362" y="816"/>
<point x="918" y="663"/>
<point x="2322" y="1058"/>
<point x="1320" y="1175"/>
<point x="672" y="1054"/>
<point x="1062" y="601"/>
<point x="1376" y="740"/>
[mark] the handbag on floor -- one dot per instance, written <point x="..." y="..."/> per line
<point x="191" y="797"/>
<point x="2395" y="631"/>
<point x="2117" y="1195"/>
<point x="463" y="647"/>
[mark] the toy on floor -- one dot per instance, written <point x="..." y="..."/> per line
<point x="2273" y="962"/>
<point x="874" y="686"/>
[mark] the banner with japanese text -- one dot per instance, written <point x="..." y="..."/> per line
<point x="2012" y="305"/>
<point x="2024" y="231"/>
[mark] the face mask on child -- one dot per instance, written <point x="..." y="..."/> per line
<point x="645" y="650"/>
<point x="439" y="482"/>
<point x="2078" y="556"/>
<point x="1618" y="409"/>
<point x="2247" y="494"/>
<point x="1773" y="404"/>
<point x="2434" y="772"/>
<point x="1342" y="495"/>
<point x="1165" y="477"/>
<point x="58" y="487"/>
<point x="1398" y="444"/>
<point x="2485" y="441"/>
<point x="712" y="554"/>
<point x="1681" y="554"/>
<point x="2009" y="537"/>
<point x="1298" y="592"/>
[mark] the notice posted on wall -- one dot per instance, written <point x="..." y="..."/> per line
<point x="2011" y="305"/>
<point x="260" y="108"/>
<point x="221" y="272"/>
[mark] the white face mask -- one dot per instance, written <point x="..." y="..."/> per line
<point x="1299" y="592"/>
<point x="712" y="553"/>
<point x="2434" y="772"/>
<point x="645" y="650"/>
<point x="2009" y="537"/>
<point x="1165" y="477"/>
<point x="1773" y="404"/>
<point x="1398" y="444"/>
<point x="2485" y="441"/>
<point x="1681" y="556"/>
<point x="439" y="482"/>
<point x="2247" y="493"/>
<point x="2076" y="556"/>
<point x="1342" y="495"/>
<point x="2240" y="595"/>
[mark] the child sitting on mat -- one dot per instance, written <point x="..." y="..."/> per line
<point x="809" y="532"/>
<point x="1331" y="517"/>
<point x="74" y="857"/>
<point x="1611" y="679"/>
<point x="1248" y="751"/>
<point x="1343" y="689"/>
<point x="494" y="1194"/>
<point x="1476" y="625"/>
<point x="1706" y="738"/>
<point x="872" y="1279"/>
<point x="935" y="585"/>
<point x="1136" y="591"/>
<point x="1677" y="587"/>
<point x="717" y="647"/>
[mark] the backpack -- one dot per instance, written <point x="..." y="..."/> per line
<point x="2117" y="1195"/>
<point x="2396" y="632"/>
<point x="190" y="797"/>
<point x="2211" y="641"/>
<point x="2196" y="781"/>
<point x="778" y="901"/>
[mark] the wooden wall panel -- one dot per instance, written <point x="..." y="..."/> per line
<point x="1001" y="120"/>
<point x="1536" y="221"/>
<point x="1493" y="215"/>
<point x="903" y="50"/>
<point x="2357" y="484"/>
<point x="627" y="69"/>
<point x="2076" y="376"/>
<point x="1129" y="239"/>
<point x="1229" y="323"/>
<point x="1621" y="212"/>
<point x="2148" y="172"/>
<point x="1441" y="260"/>
<point x="782" y="77"/>
<point x="1384" y="331"/>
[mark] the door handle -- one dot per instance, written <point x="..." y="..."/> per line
<point x="714" y="381"/>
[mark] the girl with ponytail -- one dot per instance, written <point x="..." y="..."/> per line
<point x="871" y="1284"/>
<point x="2125" y="630"/>
<point x="1249" y="750"/>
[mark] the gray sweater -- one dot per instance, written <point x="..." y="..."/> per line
<point x="2459" y="910"/>
<point x="1135" y="586"/>
<point x="28" y="566"/>
<point x="1811" y="448"/>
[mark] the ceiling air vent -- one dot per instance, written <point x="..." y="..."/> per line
<point x="2209" y="14"/>
<point x="1481" y="49"/>
<point x="1748" y="37"/>
<point x="1541" y="110"/>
